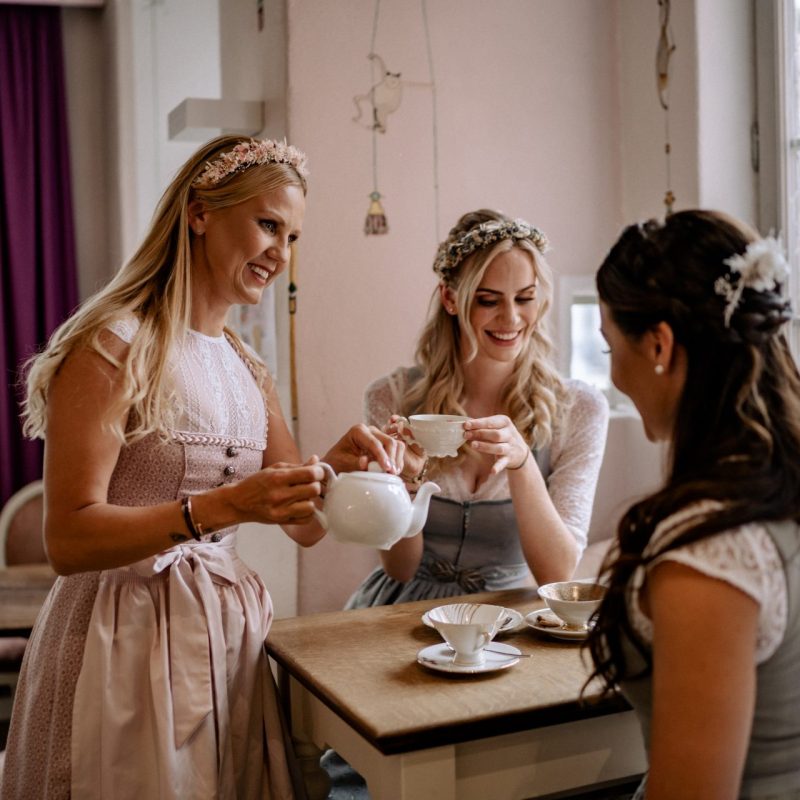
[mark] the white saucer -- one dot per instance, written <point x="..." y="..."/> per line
<point x="440" y="657"/>
<point x="560" y="631"/>
<point x="512" y="621"/>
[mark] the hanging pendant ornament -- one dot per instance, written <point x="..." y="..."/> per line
<point x="376" y="216"/>
<point x="664" y="51"/>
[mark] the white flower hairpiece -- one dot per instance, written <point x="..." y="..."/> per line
<point x="248" y="154"/>
<point x="762" y="267"/>
<point x="452" y="252"/>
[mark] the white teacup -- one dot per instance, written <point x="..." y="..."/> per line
<point x="573" y="602"/>
<point x="439" y="434"/>
<point x="467" y="628"/>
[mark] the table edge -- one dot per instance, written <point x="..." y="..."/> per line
<point x="481" y="728"/>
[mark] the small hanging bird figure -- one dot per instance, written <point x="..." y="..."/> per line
<point x="376" y="216"/>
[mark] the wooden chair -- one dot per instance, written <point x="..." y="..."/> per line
<point x="21" y="542"/>
<point x="21" y="527"/>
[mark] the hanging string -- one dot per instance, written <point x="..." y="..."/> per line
<point x="375" y="223"/>
<point x="664" y="51"/>
<point x="435" y="124"/>
<point x="372" y="68"/>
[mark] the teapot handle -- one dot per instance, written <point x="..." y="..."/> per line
<point x="332" y="478"/>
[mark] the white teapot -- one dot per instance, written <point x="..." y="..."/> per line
<point x="372" y="508"/>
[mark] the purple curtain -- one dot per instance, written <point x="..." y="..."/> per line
<point x="38" y="276"/>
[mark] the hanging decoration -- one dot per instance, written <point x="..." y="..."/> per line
<point x="372" y="112"/>
<point x="376" y="216"/>
<point x="664" y="51"/>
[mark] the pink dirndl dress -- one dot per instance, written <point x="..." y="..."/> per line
<point x="151" y="681"/>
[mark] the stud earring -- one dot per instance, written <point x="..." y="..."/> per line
<point x="659" y="369"/>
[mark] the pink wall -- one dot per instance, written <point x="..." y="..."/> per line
<point x="528" y="122"/>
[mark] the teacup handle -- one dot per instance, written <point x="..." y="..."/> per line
<point x="407" y="438"/>
<point x="486" y="638"/>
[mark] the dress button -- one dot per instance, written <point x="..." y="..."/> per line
<point x="229" y="471"/>
<point x="216" y="537"/>
<point x="231" y="452"/>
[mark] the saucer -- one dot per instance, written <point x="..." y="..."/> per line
<point x="440" y="657"/>
<point x="545" y="621"/>
<point x="512" y="621"/>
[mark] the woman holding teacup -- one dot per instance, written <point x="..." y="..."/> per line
<point x="516" y="499"/>
<point x="701" y="621"/>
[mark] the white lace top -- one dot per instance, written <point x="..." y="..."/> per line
<point x="576" y="450"/>
<point x="215" y="406"/>
<point x="744" y="557"/>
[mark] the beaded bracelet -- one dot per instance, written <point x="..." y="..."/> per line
<point x="195" y="529"/>
<point x="418" y="480"/>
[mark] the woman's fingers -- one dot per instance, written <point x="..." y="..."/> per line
<point x="282" y="493"/>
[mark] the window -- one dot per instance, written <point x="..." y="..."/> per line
<point x="777" y="133"/>
<point x="584" y="353"/>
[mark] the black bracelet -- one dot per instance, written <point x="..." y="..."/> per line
<point x="522" y="463"/>
<point x="194" y="529"/>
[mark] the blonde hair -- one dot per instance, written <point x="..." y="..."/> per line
<point x="534" y="394"/>
<point x="154" y="286"/>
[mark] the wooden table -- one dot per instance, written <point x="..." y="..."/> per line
<point x="351" y="682"/>
<point x="23" y="589"/>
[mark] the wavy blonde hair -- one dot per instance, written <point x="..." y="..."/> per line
<point x="155" y="287"/>
<point x="534" y="395"/>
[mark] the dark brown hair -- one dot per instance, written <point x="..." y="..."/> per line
<point x="737" y="432"/>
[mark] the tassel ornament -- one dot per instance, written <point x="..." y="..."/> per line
<point x="375" y="222"/>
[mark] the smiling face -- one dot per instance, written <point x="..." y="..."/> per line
<point x="239" y="250"/>
<point x="505" y="309"/>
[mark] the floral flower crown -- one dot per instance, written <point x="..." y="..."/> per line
<point x="248" y="154"/>
<point x="762" y="267"/>
<point x="452" y="252"/>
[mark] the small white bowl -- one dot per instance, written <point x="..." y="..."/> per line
<point x="574" y="602"/>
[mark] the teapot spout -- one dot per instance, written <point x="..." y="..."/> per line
<point x="420" y="507"/>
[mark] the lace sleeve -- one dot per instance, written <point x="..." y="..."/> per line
<point x="125" y="328"/>
<point x="382" y="397"/>
<point x="576" y="455"/>
<point x="744" y="557"/>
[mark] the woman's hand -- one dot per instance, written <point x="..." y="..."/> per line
<point x="498" y="436"/>
<point x="365" y="443"/>
<point x="415" y="456"/>
<point x="281" y="493"/>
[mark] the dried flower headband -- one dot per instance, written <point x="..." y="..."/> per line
<point x="248" y="154"/>
<point x="762" y="267"/>
<point x="452" y="252"/>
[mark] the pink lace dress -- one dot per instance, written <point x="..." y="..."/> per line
<point x="151" y="681"/>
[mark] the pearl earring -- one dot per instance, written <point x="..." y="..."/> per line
<point x="659" y="369"/>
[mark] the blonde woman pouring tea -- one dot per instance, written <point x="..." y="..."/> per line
<point x="145" y="675"/>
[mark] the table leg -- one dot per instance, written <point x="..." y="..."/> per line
<point x="533" y="763"/>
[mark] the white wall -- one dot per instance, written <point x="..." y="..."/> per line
<point x="727" y="107"/>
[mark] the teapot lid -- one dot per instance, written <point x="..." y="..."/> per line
<point x="374" y="473"/>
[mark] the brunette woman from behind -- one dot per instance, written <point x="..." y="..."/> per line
<point x="701" y="623"/>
